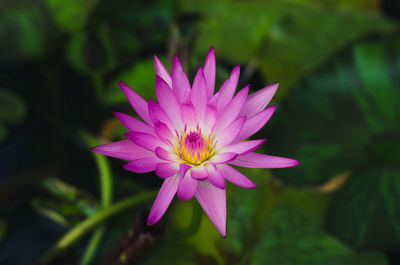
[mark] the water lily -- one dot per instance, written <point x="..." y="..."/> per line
<point x="192" y="136"/>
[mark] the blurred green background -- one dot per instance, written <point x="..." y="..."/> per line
<point x="338" y="64"/>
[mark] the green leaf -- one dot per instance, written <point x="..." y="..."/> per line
<point x="75" y="51"/>
<point x="140" y="77"/>
<point x="22" y="31"/>
<point x="331" y="118"/>
<point x="285" y="39"/>
<point x="137" y="26"/>
<point x="91" y="52"/>
<point x="383" y="96"/>
<point x="205" y="240"/>
<point x="71" y="15"/>
<point x="293" y="235"/>
<point x="366" y="213"/>
<point x="356" y="129"/>
<point x="12" y="108"/>
<point x="247" y="210"/>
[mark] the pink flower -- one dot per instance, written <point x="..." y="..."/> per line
<point x="192" y="136"/>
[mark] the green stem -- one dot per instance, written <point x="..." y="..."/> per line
<point x="92" y="246"/>
<point x="106" y="185"/>
<point x="85" y="226"/>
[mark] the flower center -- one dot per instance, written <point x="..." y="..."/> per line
<point x="194" y="148"/>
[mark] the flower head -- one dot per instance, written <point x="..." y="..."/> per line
<point x="192" y="136"/>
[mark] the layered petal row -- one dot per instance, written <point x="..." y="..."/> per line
<point x="192" y="137"/>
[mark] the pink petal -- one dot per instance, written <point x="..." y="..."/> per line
<point x="157" y="114"/>
<point x="227" y="135"/>
<point x="241" y="148"/>
<point x="163" y="132"/>
<point x="257" y="101"/>
<point x="199" y="172"/>
<point x="124" y="149"/>
<point x="222" y="158"/>
<point x="255" y="160"/>
<point x="189" y="117"/>
<point x="142" y="165"/>
<point x="213" y="201"/>
<point x="161" y="71"/>
<point x="215" y="177"/>
<point x="214" y="99"/>
<point x="163" y="200"/>
<point x="164" y="154"/>
<point x="166" y="170"/>
<point x="209" y="72"/>
<point x="231" y="112"/>
<point x="228" y="89"/>
<point x="133" y="124"/>
<point x="180" y="82"/>
<point x="145" y="140"/>
<point x="168" y="101"/>
<point x="187" y="185"/>
<point x="236" y="177"/>
<point x="255" y="123"/>
<point x="199" y="94"/>
<point x="137" y="102"/>
<point x="210" y="118"/>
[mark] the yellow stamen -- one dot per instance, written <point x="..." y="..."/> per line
<point x="194" y="148"/>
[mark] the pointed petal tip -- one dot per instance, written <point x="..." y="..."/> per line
<point x="221" y="229"/>
<point x="125" y="166"/>
<point x="151" y="221"/>
<point x="273" y="88"/>
<point x="96" y="149"/>
<point x="222" y="233"/>
<point x="291" y="163"/>
<point x="118" y="114"/>
<point x="261" y="142"/>
<point x="123" y="86"/>
<point x="128" y="134"/>
<point x="295" y="163"/>
<point x="200" y="71"/>
<point x="252" y="187"/>
<point x="236" y="70"/>
<point x="211" y="53"/>
<point x="176" y="65"/>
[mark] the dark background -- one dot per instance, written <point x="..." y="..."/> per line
<point x="338" y="112"/>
